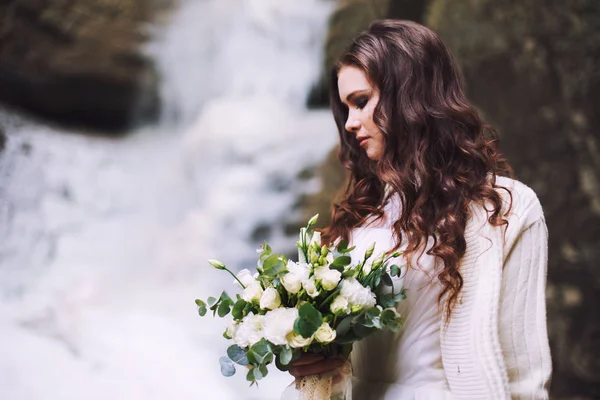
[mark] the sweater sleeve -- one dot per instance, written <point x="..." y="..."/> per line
<point x="523" y="331"/>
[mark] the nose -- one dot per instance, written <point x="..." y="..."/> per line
<point x="352" y="124"/>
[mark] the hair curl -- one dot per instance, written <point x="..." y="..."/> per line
<point x="439" y="154"/>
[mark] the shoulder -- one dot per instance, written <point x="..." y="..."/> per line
<point x="521" y="208"/>
<point x="521" y="204"/>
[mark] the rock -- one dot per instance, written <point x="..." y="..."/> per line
<point x="533" y="71"/>
<point x="80" y="62"/>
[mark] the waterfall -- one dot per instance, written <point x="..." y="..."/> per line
<point x="104" y="241"/>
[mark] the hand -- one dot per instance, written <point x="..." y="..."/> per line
<point x="313" y="364"/>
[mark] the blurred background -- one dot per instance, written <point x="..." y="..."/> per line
<point x="139" y="138"/>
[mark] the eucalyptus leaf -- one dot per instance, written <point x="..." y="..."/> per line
<point x="395" y="270"/>
<point x="201" y="307"/>
<point x="362" y="331"/>
<point x="238" y="309"/>
<point x="224" y="308"/>
<point x="344" y="326"/>
<point x="342" y="246"/>
<point x="262" y="351"/>
<point x="211" y="300"/>
<point x="263" y="370"/>
<point x="274" y="266"/>
<point x="237" y="355"/>
<point x="227" y="367"/>
<point x="308" y="321"/>
<point x="251" y="358"/>
<point x="285" y="357"/>
<point x="387" y="280"/>
<point x="342" y="261"/>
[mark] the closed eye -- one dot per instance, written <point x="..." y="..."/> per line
<point x="361" y="103"/>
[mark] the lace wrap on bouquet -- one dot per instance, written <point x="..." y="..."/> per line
<point x="335" y="385"/>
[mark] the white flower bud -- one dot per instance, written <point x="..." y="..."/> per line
<point x="325" y="334"/>
<point x="316" y="239"/>
<point x="270" y="299"/>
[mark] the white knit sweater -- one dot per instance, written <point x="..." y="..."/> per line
<point x="495" y="346"/>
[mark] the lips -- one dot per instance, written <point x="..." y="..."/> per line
<point x="362" y="140"/>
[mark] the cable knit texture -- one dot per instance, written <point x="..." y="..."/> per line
<point x="495" y="346"/>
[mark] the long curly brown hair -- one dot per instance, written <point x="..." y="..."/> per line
<point x="439" y="154"/>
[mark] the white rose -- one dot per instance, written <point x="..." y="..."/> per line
<point x="250" y="331"/>
<point x="270" y="299"/>
<point x="340" y="306"/>
<point x="329" y="277"/>
<point x="310" y="287"/>
<point x="357" y="294"/>
<point x="278" y="324"/>
<point x="297" y="341"/>
<point x="297" y="273"/>
<point x="325" y="334"/>
<point x="253" y="292"/>
<point x="245" y="276"/>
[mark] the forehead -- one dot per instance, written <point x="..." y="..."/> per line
<point x="351" y="79"/>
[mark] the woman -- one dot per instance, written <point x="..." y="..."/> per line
<point x="426" y="178"/>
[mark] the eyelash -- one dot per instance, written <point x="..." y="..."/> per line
<point x="362" y="103"/>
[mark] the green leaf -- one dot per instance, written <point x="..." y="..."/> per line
<point x="237" y="355"/>
<point x="387" y="281"/>
<point x="308" y="321"/>
<point x="211" y="300"/>
<point x="238" y="309"/>
<point x="342" y="246"/>
<point x="348" y="273"/>
<point x="395" y="271"/>
<point x="342" y="261"/>
<point x="251" y="358"/>
<point x="344" y="326"/>
<point x="262" y="351"/>
<point x="389" y="299"/>
<point x="224" y="308"/>
<point x="362" y="331"/>
<point x="224" y="296"/>
<point x="273" y="266"/>
<point x="285" y="357"/>
<point x="201" y="307"/>
<point x="250" y="377"/>
<point x="227" y="367"/>
<point x="348" y="338"/>
<point x="390" y="319"/>
<point x="263" y="370"/>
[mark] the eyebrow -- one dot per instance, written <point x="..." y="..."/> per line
<point x="353" y="94"/>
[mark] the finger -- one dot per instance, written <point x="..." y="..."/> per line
<point x="316" y="368"/>
<point x="308" y="358"/>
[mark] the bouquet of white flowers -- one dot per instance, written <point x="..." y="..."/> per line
<point x="320" y="304"/>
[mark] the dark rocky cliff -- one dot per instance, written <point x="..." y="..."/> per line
<point x="533" y="70"/>
<point x="80" y="61"/>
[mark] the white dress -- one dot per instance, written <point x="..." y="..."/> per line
<point x="406" y="365"/>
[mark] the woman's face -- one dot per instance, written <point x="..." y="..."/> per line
<point x="357" y="93"/>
